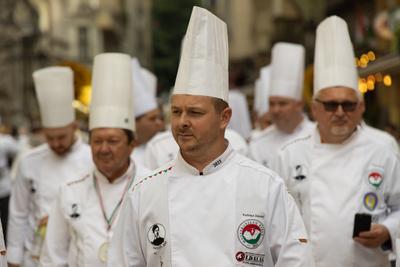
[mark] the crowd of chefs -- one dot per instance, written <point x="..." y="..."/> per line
<point x="206" y="189"/>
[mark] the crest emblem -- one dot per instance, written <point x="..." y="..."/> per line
<point x="375" y="179"/>
<point x="370" y="201"/>
<point x="251" y="233"/>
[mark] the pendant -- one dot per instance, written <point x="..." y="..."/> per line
<point x="103" y="250"/>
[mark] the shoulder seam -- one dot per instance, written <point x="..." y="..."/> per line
<point x="303" y="138"/>
<point x="79" y="180"/>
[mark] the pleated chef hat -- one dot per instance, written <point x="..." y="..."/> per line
<point x="334" y="56"/>
<point x="111" y="105"/>
<point x="287" y="70"/>
<point x="143" y="95"/>
<point x="151" y="80"/>
<point x="262" y="90"/>
<point x="203" y="67"/>
<point x="55" y="92"/>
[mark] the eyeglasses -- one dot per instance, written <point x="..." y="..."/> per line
<point x="332" y="106"/>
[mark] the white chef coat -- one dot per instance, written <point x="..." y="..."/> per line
<point x="331" y="183"/>
<point x="162" y="148"/>
<point x="234" y="213"/>
<point x="382" y="136"/>
<point x="40" y="173"/>
<point x="8" y="148"/>
<point x="138" y="154"/>
<point x="265" y="147"/>
<point x="77" y="228"/>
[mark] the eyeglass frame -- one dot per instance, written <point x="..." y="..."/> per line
<point x="347" y="106"/>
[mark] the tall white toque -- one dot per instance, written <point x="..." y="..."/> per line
<point x="203" y="67"/>
<point x="151" y="80"/>
<point x="112" y="100"/>
<point x="287" y="70"/>
<point x="261" y="101"/>
<point x="334" y="56"/>
<point x="143" y="94"/>
<point x="55" y="92"/>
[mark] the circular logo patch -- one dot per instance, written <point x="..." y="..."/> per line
<point x="240" y="256"/>
<point x="156" y="235"/>
<point x="251" y="233"/>
<point x="370" y="201"/>
<point x="375" y="179"/>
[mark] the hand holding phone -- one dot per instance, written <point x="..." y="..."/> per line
<point x="362" y="222"/>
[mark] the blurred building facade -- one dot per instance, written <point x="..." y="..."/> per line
<point x="39" y="33"/>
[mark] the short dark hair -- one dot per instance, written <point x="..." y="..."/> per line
<point x="129" y="134"/>
<point x="219" y="104"/>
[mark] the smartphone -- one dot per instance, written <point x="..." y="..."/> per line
<point x="362" y="222"/>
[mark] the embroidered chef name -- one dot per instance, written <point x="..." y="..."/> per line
<point x="250" y="258"/>
<point x="251" y="215"/>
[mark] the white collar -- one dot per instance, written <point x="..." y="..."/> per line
<point x="216" y="164"/>
<point x="130" y="172"/>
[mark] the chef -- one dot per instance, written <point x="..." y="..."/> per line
<point x="45" y="168"/>
<point x="84" y="216"/>
<point x="338" y="170"/>
<point x="148" y="118"/>
<point x="210" y="206"/>
<point x="285" y="103"/>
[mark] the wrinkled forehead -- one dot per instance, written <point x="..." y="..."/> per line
<point x="338" y="93"/>
<point x="185" y="101"/>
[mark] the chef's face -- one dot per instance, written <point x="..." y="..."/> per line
<point x="284" y="112"/>
<point x="148" y="124"/>
<point x="337" y="122"/>
<point x="111" y="150"/>
<point x="198" y="122"/>
<point x="60" y="139"/>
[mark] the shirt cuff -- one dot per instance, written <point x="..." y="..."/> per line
<point x="391" y="224"/>
<point x="15" y="255"/>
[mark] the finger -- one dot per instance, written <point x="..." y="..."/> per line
<point x="369" y="243"/>
<point x="369" y="234"/>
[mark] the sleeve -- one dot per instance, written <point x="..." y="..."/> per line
<point x="289" y="242"/>
<point x="18" y="225"/>
<point x="57" y="241"/>
<point x="392" y="199"/>
<point x="3" y="258"/>
<point x="279" y="164"/>
<point x="125" y="247"/>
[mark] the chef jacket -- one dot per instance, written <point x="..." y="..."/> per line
<point x="233" y="213"/>
<point x="333" y="182"/>
<point x="39" y="175"/>
<point x="265" y="146"/>
<point x="77" y="230"/>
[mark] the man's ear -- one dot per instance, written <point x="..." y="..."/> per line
<point x="226" y="115"/>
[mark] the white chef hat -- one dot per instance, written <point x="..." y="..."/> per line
<point x="143" y="95"/>
<point x="203" y="67"/>
<point x="262" y="90"/>
<point x="111" y="105"/>
<point x="334" y="56"/>
<point x="55" y="92"/>
<point x="287" y="70"/>
<point x="151" y="80"/>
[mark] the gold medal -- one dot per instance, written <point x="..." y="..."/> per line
<point x="103" y="250"/>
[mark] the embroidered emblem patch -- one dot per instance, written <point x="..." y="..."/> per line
<point x="370" y="201"/>
<point x="251" y="233"/>
<point x="156" y="235"/>
<point x="250" y="258"/>
<point x="375" y="179"/>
